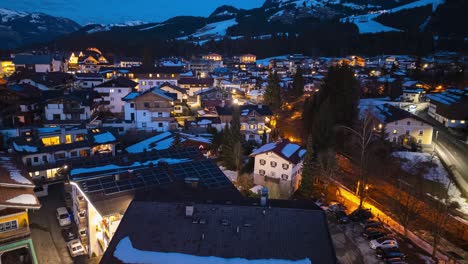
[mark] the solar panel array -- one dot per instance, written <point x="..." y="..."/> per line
<point x="209" y="175"/>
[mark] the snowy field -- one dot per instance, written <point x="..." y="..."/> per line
<point x="436" y="174"/>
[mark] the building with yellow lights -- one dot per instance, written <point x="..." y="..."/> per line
<point x="149" y="77"/>
<point x="212" y="57"/>
<point x="401" y="127"/>
<point x="45" y="152"/>
<point x="16" y="199"/>
<point x="256" y="121"/>
<point x="248" y="58"/>
<point x="102" y="190"/>
<point x="7" y="67"/>
<point x="450" y="108"/>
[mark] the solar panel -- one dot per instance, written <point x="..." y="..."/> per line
<point x="206" y="170"/>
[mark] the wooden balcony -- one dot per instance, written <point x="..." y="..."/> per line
<point x="13" y="235"/>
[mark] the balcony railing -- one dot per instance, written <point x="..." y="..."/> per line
<point x="14" y="234"/>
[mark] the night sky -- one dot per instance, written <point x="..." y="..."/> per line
<point x="118" y="11"/>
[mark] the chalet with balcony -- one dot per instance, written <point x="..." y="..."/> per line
<point x="17" y="198"/>
<point x="151" y="110"/>
<point x="255" y="120"/>
<point x="112" y="93"/>
<point x="149" y="77"/>
<point x="45" y="152"/>
<point x="71" y="108"/>
<point x="19" y="105"/>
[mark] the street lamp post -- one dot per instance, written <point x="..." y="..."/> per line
<point x="434" y="144"/>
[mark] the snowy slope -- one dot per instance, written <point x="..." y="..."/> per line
<point x="367" y="24"/>
<point x="7" y="15"/>
<point x="217" y="29"/>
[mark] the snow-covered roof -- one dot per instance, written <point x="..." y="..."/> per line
<point x="102" y="138"/>
<point x="157" y="142"/>
<point x="289" y="151"/>
<point x="127" y="253"/>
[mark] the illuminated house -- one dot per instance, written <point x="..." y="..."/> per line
<point x="151" y="110"/>
<point x="88" y="80"/>
<point x="450" y="108"/>
<point x="7" y="67"/>
<point x="45" y="152"/>
<point x="73" y="108"/>
<point x="194" y="85"/>
<point x="279" y="163"/>
<point x="17" y="197"/>
<point x="113" y="92"/>
<point x="149" y="77"/>
<point x="103" y="189"/>
<point x="255" y="120"/>
<point x="212" y="57"/>
<point x="402" y="127"/>
<point x="248" y="58"/>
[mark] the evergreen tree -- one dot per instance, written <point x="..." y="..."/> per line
<point x="177" y="140"/>
<point x="298" y="83"/>
<point x="272" y="96"/>
<point x="306" y="187"/>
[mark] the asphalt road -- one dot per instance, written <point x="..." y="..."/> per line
<point x="46" y="233"/>
<point x="452" y="151"/>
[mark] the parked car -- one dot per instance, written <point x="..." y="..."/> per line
<point x="371" y="223"/>
<point x="383" y="242"/>
<point x="75" y="248"/>
<point x="336" y="207"/>
<point x="390" y="253"/>
<point x="374" y="233"/>
<point x="82" y="232"/>
<point x="359" y="215"/>
<point x="341" y="217"/>
<point x="68" y="234"/>
<point x="63" y="217"/>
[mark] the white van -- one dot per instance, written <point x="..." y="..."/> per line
<point x="63" y="216"/>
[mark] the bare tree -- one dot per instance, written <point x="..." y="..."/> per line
<point x="408" y="203"/>
<point x="328" y="167"/>
<point x="439" y="214"/>
<point x="365" y="134"/>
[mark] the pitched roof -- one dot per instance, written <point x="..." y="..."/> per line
<point x="388" y="113"/>
<point x="16" y="188"/>
<point x="452" y="104"/>
<point x="154" y="90"/>
<point x="119" y="82"/>
<point x="196" y="81"/>
<point x="288" y="151"/>
<point x="282" y="232"/>
<point x="175" y="87"/>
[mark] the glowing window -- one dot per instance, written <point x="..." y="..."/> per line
<point x="68" y="139"/>
<point x="395" y="131"/>
<point x="51" y="141"/>
<point x="462" y="122"/>
<point x="453" y="121"/>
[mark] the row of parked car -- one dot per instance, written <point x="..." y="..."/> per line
<point x="385" y="246"/>
<point x="70" y="236"/>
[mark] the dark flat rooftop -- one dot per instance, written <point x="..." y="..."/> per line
<point x="227" y="231"/>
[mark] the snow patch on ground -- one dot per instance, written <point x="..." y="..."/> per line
<point x="436" y="174"/>
<point x="232" y="175"/>
<point x="126" y="253"/>
<point x="23" y="199"/>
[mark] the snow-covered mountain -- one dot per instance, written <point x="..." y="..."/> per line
<point x="21" y="28"/>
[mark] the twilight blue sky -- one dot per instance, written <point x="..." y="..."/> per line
<point x="117" y="11"/>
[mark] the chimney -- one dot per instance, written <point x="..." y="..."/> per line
<point x="264" y="197"/>
<point x="189" y="210"/>
<point x="117" y="177"/>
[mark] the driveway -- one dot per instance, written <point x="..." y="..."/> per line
<point x="45" y="232"/>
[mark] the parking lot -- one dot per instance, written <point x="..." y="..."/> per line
<point x="46" y="233"/>
<point x="352" y="247"/>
